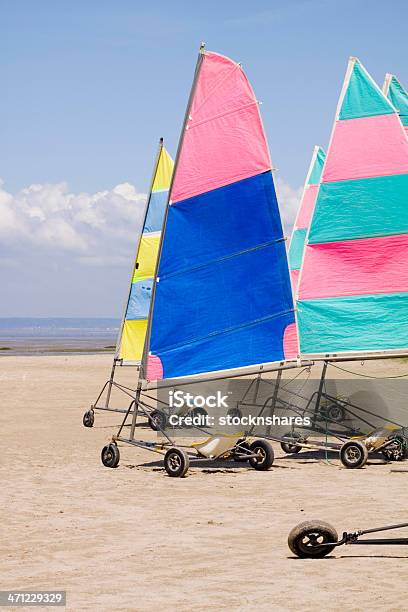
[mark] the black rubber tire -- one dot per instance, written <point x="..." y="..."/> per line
<point x="88" y="418"/>
<point x="110" y="455"/>
<point x="353" y="454"/>
<point x="397" y="451"/>
<point x="157" y="420"/>
<point x="335" y="413"/>
<point x="234" y="412"/>
<point x="195" y="412"/>
<point x="237" y="449"/>
<point x="304" y="539"/>
<point x="176" y="462"/>
<point x="266" y="455"/>
<point x="289" y="447"/>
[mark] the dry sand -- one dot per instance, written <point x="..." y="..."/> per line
<point x="134" y="539"/>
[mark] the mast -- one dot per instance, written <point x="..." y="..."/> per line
<point x="146" y="349"/>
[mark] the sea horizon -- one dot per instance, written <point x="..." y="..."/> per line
<point x="57" y="335"/>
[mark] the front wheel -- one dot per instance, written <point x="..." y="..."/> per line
<point x="176" y="462"/>
<point x="265" y="456"/>
<point x="88" y="418"/>
<point x="110" y="455"/>
<point x="312" y="539"/>
<point x="353" y="454"/>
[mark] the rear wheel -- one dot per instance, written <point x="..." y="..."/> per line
<point x="335" y="413"/>
<point x="265" y="456"/>
<point x="291" y="447"/>
<point x="157" y="420"/>
<point x="201" y="413"/>
<point x="311" y="539"/>
<point x="110" y="455"/>
<point x="396" y="451"/>
<point x="353" y="454"/>
<point x="176" y="462"/>
<point x="234" y="413"/>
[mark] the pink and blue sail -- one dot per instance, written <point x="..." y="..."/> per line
<point x="222" y="297"/>
<point x="353" y="287"/>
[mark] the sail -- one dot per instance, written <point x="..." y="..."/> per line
<point x="222" y="299"/>
<point x="133" y="330"/>
<point x="398" y="97"/>
<point x="353" y="287"/>
<point x="304" y="215"/>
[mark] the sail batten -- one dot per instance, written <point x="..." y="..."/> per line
<point x="222" y="299"/>
<point x="353" y="287"/>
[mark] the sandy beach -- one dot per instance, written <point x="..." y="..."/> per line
<point x="132" y="538"/>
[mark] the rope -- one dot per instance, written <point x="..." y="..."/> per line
<point x="367" y="375"/>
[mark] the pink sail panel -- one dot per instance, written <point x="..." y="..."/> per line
<point x="367" y="147"/>
<point x="154" y="368"/>
<point x="355" y="267"/>
<point x="307" y="206"/>
<point x="291" y="342"/>
<point x="205" y="162"/>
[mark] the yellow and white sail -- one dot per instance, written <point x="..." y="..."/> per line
<point x="133" y="329"/>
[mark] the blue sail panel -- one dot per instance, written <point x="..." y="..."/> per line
<point x="223" y="297"/>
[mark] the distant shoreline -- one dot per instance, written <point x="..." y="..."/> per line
<point x="57" y="336"/>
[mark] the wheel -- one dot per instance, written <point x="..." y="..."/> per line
<point x="238" y="454"/>
<point x="89" y="418"/>
<point x="110" y="455"/>
<point x="290" y="447"/>
<point x="306" y="539"/>
<point x="265" y="457"/>
<point x="353" y="454"/>
<point x="397" y="451"/>
<point x="176" y="462"/>
<point x="157" y="420"/>
<point x="234" y="412"/>
<point x="198" y="412"/>
<point x="335" y="413"/>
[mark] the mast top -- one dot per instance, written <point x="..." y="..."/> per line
<point x="202" y="47"/>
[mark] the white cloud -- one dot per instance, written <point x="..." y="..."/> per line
<point x="94" y="228"/>
<point x="70" y="254"/>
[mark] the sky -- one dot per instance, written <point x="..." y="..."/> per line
<point x="88" y="87"/>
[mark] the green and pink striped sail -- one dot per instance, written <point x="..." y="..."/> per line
<point x="398" y="98"/>
<point x="304" y="215"/>
<point x="353" y="287"/>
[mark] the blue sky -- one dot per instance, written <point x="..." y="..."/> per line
<point x="89" y="87"/>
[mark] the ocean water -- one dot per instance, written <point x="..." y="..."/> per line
<point x="57" y="336"/>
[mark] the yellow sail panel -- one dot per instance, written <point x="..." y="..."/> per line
<point x="164" y="172"/>
<point x="147" y="257"/>
<point x="133" y="337"/>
